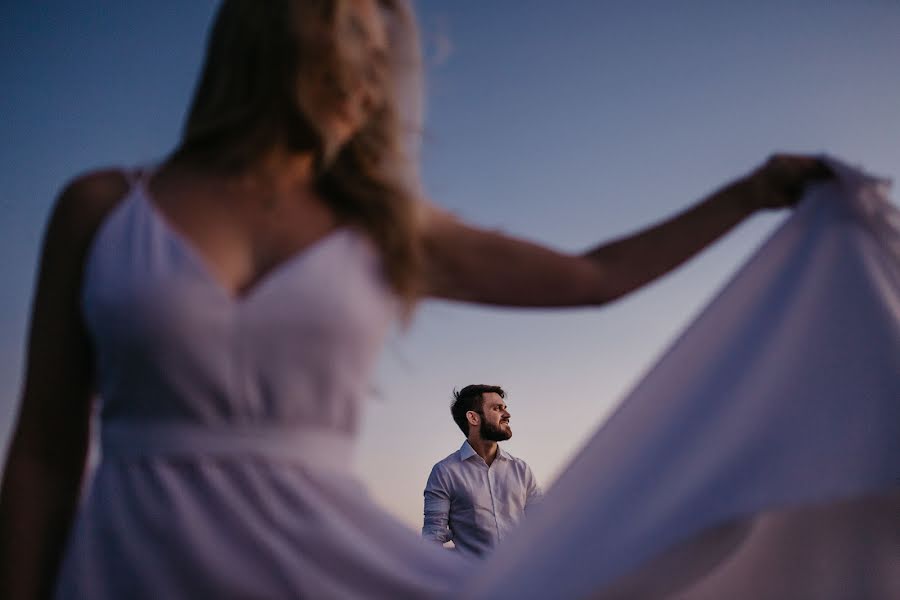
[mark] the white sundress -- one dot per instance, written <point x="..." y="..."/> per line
<point x="759" y="458"/>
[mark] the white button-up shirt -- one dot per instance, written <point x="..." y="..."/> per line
<point x="476" y="505"/>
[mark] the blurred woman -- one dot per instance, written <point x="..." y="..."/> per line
<point x="228" y="306"/>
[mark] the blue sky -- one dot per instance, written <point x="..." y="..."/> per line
<point x="566" y="122"/>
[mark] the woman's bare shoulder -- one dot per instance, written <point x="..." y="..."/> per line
<point x="92" y="195"/>
<point x="85" y="201"/>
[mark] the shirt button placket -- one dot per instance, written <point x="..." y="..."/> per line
<point x="490" y="479"/>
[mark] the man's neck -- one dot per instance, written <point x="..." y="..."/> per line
<point x="486" y="449"/>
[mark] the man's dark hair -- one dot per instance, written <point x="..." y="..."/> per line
<point x="469" y="398"/>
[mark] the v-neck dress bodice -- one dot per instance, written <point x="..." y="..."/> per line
<point x="227" y="425"/>
<point x="172" y="343"/>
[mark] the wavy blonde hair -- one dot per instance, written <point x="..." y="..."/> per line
<point x="273" y="67"/>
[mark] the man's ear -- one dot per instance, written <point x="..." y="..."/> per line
<point x="473" y="418"/>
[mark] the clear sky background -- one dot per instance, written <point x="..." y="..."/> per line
<point x="567" y="122"/>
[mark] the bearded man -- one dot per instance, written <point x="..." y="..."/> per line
<point x="478" y="494"/>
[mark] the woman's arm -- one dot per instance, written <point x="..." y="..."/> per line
<point x="45" y="462"/>
<point x="469" y="264"/>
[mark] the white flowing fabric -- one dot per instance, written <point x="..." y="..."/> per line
<point x="760" y="457"/>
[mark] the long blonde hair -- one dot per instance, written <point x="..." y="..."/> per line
<point x="273" y="66"/>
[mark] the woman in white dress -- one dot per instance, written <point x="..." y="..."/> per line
<point x="227" y="309"/>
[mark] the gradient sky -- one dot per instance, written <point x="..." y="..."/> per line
<point x="566" y="122"/>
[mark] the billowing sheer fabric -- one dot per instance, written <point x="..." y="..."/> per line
<point x="759" y="458"/>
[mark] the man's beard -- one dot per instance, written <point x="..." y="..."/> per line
<point x="493" y="433"/>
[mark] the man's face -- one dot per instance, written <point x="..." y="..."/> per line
<point x="494" y="418"/>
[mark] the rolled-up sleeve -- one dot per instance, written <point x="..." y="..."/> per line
<point x="437" y="509"/>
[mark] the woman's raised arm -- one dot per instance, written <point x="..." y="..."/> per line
<point x="469" y="264"/>
<point x="46" y="459"/>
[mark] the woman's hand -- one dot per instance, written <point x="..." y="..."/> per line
<point x="781" y="180"/>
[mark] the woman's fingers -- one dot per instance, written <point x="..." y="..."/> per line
<point x="784" y="177"/>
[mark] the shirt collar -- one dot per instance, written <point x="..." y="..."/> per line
<point x="466" y="452"/>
